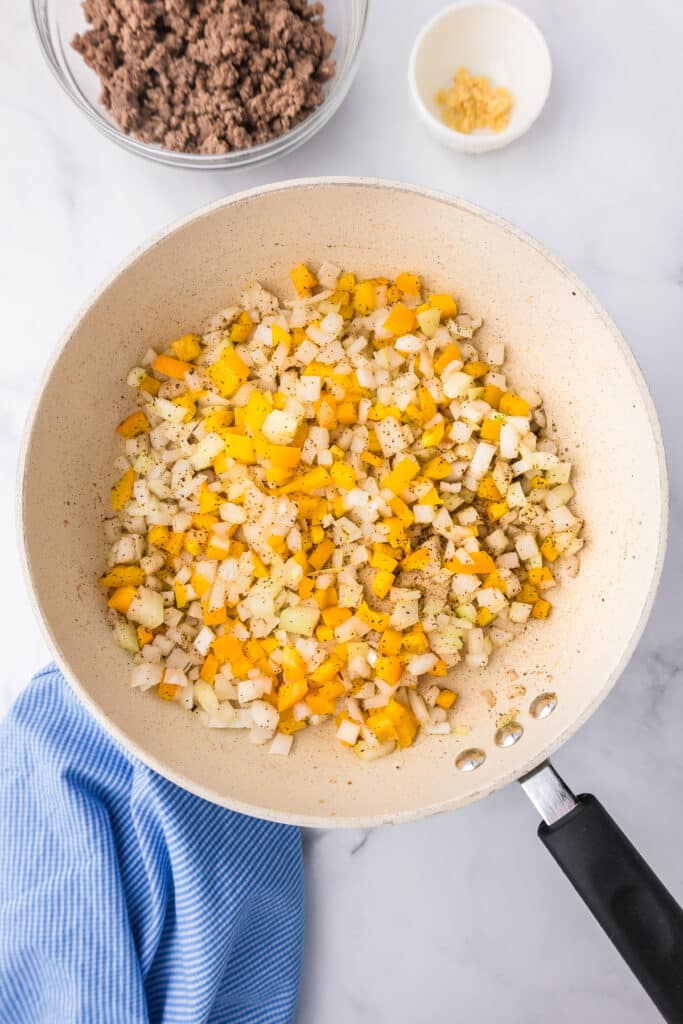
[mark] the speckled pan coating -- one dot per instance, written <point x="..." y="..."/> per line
<point x="558" y="341"/>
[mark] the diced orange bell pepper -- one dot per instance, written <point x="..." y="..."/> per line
<point x="122" y="598"/>
<point x="136" y="423"/>
<point x="481" y="563"/>
<point x="122" y="491"/>
<point x="123" y="576"/>
<point x="303" y="280"/>
<point x="513" y="405"/>
<point x="289" y="694"/>
<point x="400" y="321"/>
<point x="170" y="367"/>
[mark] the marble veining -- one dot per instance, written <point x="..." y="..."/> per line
<point x="462" y="916"/>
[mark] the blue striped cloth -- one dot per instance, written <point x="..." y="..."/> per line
<point x="126" y="899"/>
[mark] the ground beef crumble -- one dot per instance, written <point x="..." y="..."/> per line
<point x="207" y="76"/>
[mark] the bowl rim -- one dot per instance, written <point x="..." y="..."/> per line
<point x="233" y="159"/>
<point x="428" y="809"/>
<point x="477" y="143"/>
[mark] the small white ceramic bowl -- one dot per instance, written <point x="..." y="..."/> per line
<point x="488" y="38"/>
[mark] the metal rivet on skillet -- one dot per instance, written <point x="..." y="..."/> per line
<point x="470" y="759"/>
<point x="508" y="735"/>
<point x="543" y="705"/>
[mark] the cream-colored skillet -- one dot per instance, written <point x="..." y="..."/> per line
<point x="547" y="682"/>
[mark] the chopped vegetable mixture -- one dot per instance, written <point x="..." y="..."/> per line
<point x="324" y="506"/>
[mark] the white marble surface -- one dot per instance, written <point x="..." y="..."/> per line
<point x="461" y="917"/>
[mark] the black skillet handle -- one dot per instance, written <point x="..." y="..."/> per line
<point x="637" y="912"/>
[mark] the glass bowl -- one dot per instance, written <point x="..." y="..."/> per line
<point x="57" y="21"/>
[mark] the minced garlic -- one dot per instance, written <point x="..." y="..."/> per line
<point x="471" y="103"/>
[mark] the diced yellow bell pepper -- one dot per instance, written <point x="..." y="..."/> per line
<point x="122" y="491"/>
<point x="209" y="501"/>
<point x="541" y="578"/>
<point x="334" y="616"/>
<point x="199" y="583"/>
<point x="428" y="406"/>
<point x="215" y="617"/>
<point x="548" y="549"/>
<point x="180" y="593"/>
<point x="365" y="298"/>
<point x="495" y="580"/>
<point x="382" y="725"/>
<point x="492" y="396"/>
<point x="187" y="348"/>
<point x="380" y="412"/>
<point x="314" y="480"/>
<point x="321" y="704"/>
<point x="449" y="355"/>
<point x="415" y="642"/>
<point x="391" y="641"/>
<point x="400" y="321"/>
<point x="431" y="497"/>
<point x="440" y="669"/>
<point x="290" y="694"/>
<point x="170" y="367"/>
<point x="293" y="665"/>
<point x="416" y="560"/>
<point x="376" y="620"/>
<point x="186" y="402"/>
<point x="495" y="510"/>
<point x="382" y="583"/>
<point x="343" y="475"/>
<point x="476" y="369"/>
<point x="303" y="280"/>
<point x="166" y="539"/>
<point x="513" y="405"/>
<point x="437" y="468"/>
<point x="136" y="423"/>
<point x="227" y="648"/>
<point x="257" y="408"/>
<point x="203" y="520"/>
<point x="481" y="563"/>
<point x="229" y="372"/>
<point x="280" y="336"/>
<point x="218" y="419"/>
<point x="371" y="460"/>
<point x="527" y="595"/>
<point x="321" y="555"/>
<point x="409" y="284"/>
<point x="403" y="511"/>
<point x="145" y="636"/>
<point x="487" y="489"/>
<point x="122" y="598"/>
<point x="389" y="668"/>
<point x="167" y="691"/>
<point x="238" y="447"/>
<point x="123" y="576"/>
<point x="433" y="435"/>
<point x="381" y="559"/>
<point x="399" y="477"/>
<point x="240" y="329"/>
<point x="405" y="723"/>
<point x="540" y="609"/>
<point x="395" y="532"/>
<point x="150" y="384"/>
<point x="490" y="430"/>
<point x="306" y="588"/>
<point x="446" y="304"/>
<point x="209" y="668"/>
<point x="447" y="698"/>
